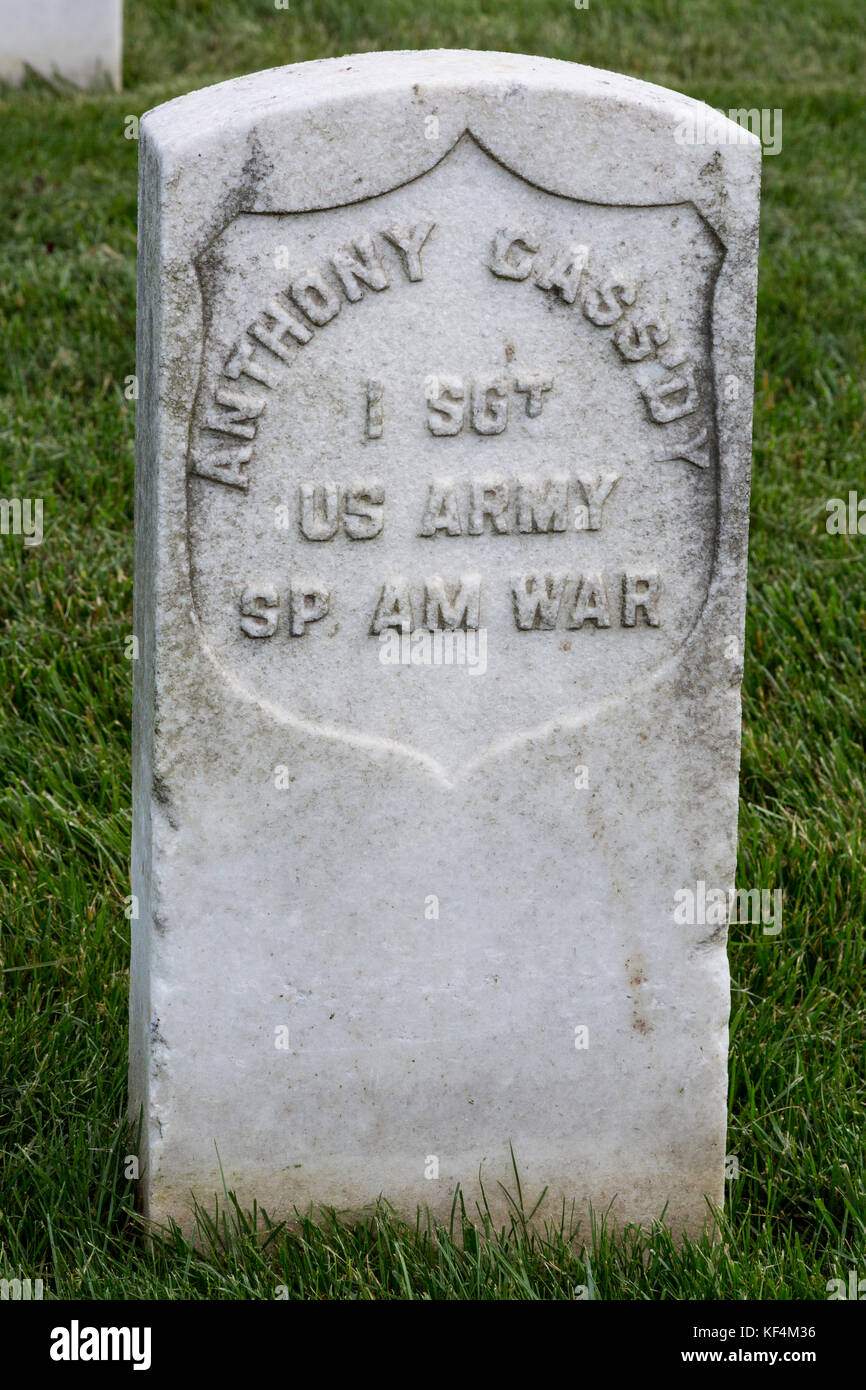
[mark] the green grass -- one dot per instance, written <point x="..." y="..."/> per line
<point x="795" y="1216"/>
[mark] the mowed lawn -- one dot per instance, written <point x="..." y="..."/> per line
<point x="795" y="1214"/>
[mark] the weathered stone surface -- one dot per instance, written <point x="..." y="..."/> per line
<point x="443" y="340"/>
<point x="80" y="41"/>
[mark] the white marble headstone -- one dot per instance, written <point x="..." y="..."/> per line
<point x="445" y="366"/>
<point x="79" y="40"/>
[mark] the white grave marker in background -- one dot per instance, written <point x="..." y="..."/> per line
<point x="442" y="511"/>
<point x="79" y="40"/>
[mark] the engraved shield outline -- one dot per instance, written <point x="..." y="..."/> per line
<point x="585" y="713"/>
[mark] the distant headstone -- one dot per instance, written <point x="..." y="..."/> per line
<point x="445" y="368"/>
<point x="79" y="40"/>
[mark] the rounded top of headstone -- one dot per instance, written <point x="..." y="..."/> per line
<point x="321" y="134"/>
<point x="328" y="80"/>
